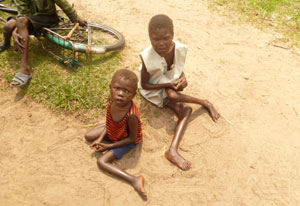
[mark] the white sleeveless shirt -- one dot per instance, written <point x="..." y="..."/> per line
<point x="157" y="67"/>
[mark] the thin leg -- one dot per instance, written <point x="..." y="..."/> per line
<point x="175" y="96"/>
<point x="22" y="27"/>
<point x="105" y="163"/>
<point x="8" y="30"/>
<point x="183" y="113"/>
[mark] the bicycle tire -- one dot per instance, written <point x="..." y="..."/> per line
<point x="53" y="35"/>
<point x="8" y="9"/>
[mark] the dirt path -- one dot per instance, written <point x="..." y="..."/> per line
<point x="249" y="157"/>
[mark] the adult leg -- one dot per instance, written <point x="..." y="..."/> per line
<point x="175" y="96"/>
<point x="105" y="163"/>
<point x="22" y="25"/>
<point x="8" y="30"/>
<point x="183" y="113"/>
<point x="94" y="133"/>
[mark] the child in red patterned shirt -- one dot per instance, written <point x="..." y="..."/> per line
<point x="122" y="129"/>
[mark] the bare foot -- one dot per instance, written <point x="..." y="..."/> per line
<point x="139" y="187"/>
<point x="213" y="112"/>
<point x="178" y="160"/>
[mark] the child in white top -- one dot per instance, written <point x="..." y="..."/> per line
<point x="159" y="74"/>
<point x="162" y="80"/>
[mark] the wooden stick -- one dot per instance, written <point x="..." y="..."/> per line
<point x="89" y="35"/>
<point x="72" y="31"/>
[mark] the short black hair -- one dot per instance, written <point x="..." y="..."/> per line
<point x="160" y="21"/>
<point x="126" y="74"/>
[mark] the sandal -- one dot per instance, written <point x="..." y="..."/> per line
<point x="22" y="79"/>
<point x="4" y="47"/>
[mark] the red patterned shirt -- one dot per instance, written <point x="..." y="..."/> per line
<point x="117" y="131"/>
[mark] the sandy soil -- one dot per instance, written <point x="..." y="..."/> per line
<point x="249" y="157"/>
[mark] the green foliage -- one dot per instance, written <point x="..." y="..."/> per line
<point x="283" y="15"/>
<point x="55" y="84"/>
<point x="59" y="87"/>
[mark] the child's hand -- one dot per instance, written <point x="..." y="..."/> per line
<point x="173" y="85"/>
<point x="103" y="147"/>
<point x="95" y="146"/>
<point x="181" y="83"/>
<point x="18" y="41"/>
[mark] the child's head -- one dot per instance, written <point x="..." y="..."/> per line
<point x="123" y="86"/>
<point x="161" y="34"/>
<point x="160" y="21"/>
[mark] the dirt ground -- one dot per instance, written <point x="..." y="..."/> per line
<point x="249" y="157"/>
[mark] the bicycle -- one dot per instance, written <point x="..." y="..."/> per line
<point x="93" y="39"/>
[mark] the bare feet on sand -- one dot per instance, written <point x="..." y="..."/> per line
<point x="178" y="160"/>
<point x="139" y="187"/>
<point x="213" y="112"/>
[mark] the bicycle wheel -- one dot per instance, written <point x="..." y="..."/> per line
<point x="95" y="38"/>
<point x="8" y="9"/>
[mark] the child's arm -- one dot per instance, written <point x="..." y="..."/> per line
<point x="145" y="76"/>
<point x="133" y="132"/>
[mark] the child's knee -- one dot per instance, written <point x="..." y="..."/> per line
<point x="188" y="110"/>
<point x="88" y="137"/>
<point x="172" y="95"/>
<point x="22" y="22"/>
<point x="101" y="163"/>
<point x="184" y="110"/>
<point x="9" y="26"/>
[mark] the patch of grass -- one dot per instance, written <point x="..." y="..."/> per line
<point x="57" y="86"/>
<point x="60" y="87"/>
<point x="283" y="15"/>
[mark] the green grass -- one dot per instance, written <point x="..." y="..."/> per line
<point x="60" y="87"/>
<point x="283" y="15"/>
<point x="56" y="85"/>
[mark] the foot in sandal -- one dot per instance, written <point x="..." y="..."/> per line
<point x="20" y="80"/>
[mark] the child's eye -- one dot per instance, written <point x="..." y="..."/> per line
<point x="127" y="91"/>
